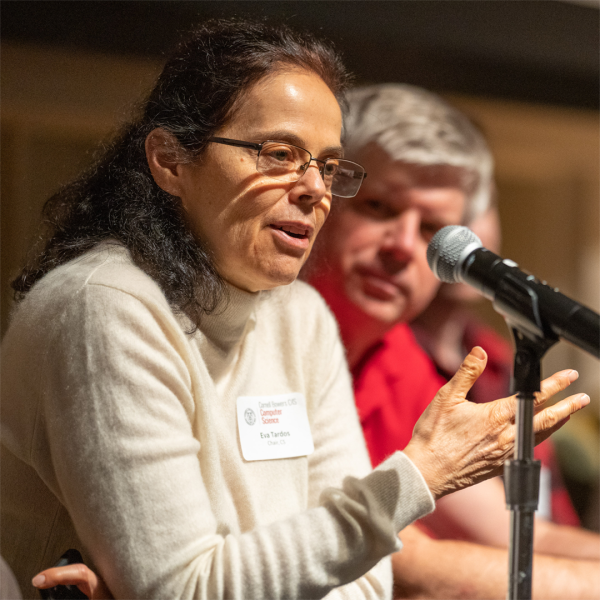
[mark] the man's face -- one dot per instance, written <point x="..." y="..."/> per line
<point x="375" y="244"/>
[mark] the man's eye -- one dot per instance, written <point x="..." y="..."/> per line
<point x="428" y="230"/>
<point x="375" y="208"/>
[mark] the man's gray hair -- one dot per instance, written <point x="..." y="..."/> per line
<point x="415" y="126"/>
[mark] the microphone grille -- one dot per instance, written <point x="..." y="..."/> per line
<point x="446" y="248"/>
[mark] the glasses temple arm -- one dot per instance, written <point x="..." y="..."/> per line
<point x="237" y="143"/>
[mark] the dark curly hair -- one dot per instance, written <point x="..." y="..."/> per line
<point x="117" y="197"/>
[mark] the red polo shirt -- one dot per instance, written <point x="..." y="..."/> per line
<point x="393" y="384"/>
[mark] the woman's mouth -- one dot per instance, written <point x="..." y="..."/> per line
<point x="295" y="232"/>
<point x="293" y="235"/>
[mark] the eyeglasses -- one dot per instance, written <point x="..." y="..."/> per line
<point x="287" y="162"/>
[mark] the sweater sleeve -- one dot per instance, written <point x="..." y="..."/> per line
<point x="340" y="451"/>
<point x="115" y="412"/>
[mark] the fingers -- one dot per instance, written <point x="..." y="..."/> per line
<point x="75" y="574"/>
<point x="472" y="367"/>
<point x="544" y="435"/>
<point x="552" y="418"/>
<point x="505" y="408"/>
<point x="554" y="384"/>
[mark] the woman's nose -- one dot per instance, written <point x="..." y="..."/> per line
<point x="310" y="188"/>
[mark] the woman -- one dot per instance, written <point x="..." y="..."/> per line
<point x="171" y="405"/>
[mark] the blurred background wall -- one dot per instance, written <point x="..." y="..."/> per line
<point x="527" y="71"/>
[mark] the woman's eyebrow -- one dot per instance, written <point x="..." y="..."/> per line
<point x="334" y="151"/>
<point x="283" y="135"/>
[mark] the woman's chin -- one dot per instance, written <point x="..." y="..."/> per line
<point x="280" y="279"/>
<point x="253" y="281"/>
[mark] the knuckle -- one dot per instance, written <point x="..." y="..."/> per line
<point x="80" y="571"/>
<point x="506" y="440"/>
<point x="545" y="419"/>
<point x="502" y="411"/>
<point x="469" y="369"/>
<point x="543" y="396"/>
<point x="444" y="391"/>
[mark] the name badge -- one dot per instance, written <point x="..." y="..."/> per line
<point x="274" y="426"/>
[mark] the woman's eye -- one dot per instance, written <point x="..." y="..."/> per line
<point x="330" y="169"/>
<point x="281" y="154"/>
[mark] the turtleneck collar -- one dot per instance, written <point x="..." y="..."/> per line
<point x="225" y="326"/>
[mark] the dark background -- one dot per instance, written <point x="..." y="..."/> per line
<point x="544" y="51"/>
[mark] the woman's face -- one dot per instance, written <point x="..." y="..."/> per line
<point x="261" y="230"/>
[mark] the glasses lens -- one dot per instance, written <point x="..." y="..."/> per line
<point x="345" y="177"/>
<point x="282" y="161"/>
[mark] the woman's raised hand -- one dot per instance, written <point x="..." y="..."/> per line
<point x="457" y="443"/>
<point x="76" y="574"/>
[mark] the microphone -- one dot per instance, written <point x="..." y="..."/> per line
<point x="455" y="254"/>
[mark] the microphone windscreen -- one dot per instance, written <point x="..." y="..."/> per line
<point x="446" y="248"/>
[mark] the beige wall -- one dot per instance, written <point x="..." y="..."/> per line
<point x="56" y="106"/>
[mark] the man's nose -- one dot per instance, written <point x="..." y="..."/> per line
<point x="403" y="234"/>
<point x="310" y="188"/>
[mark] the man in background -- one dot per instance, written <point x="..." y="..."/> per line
<point x="428" y="167"/>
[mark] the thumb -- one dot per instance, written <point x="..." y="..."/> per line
<point x="468" y="372"/>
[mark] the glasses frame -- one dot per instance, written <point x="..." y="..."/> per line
<point x="259" y="147"/>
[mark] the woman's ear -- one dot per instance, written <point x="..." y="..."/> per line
<point x="162" y="150"/>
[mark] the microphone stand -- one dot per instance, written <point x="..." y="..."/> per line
<point x="522" y="473"/>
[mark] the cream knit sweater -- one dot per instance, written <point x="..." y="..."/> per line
<point x="120" y="438"/>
